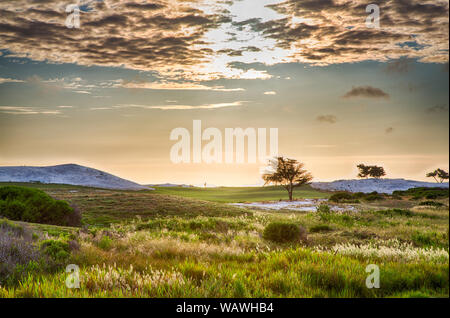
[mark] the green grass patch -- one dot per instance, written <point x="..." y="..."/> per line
<point x="243" y="194"/>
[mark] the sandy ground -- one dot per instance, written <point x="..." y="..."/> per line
<point x="305" y="205"/>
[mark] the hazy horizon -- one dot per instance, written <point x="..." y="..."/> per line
<point x="201" y="184"/>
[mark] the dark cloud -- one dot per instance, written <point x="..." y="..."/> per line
<point x="367" y="92"/>
<point x="169" y="36"/>
<point x="331" y="119"/>
<point x="328" y="31"/>
<point x="144" y="6"/>
<point x="247" y="66"/>
<point x="437" y="109"/>
<point x="163" y="35"/>
<point x="402" y="65"/>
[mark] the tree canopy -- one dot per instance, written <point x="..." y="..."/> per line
<point x="370" y="171"/>
<point x="288" y="173"/>
<point x="439" y="175"/>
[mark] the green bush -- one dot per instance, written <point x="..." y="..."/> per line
<point x="33" y="205"/>
<point x="346" y="197"/>
<point x="374" y="196"/>
<point x="430" y="239"/>
<point x="341" y="197"/>
<point x="323" y="208"/>
<point x="320" y="228"/>
<point x="324" y="212"/>
<point x="105" y="243"/>
<point x="432" y="203"/>
<point x="283" y="232"/>
<point x="56" y="250"/>
<point x="396" y="212"/>
<point x="423" y="192"/>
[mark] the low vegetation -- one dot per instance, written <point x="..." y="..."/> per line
<point x="33" y="205"/>
<point x="423" y="193"/>
<point x="284" y="232"/>
<point x="242" y="194"/>
<point x="347" y="197"/>
<point x="145" y="244"/>
<point x="24" y="251"/>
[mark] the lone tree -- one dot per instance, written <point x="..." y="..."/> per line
<point x="363" y="170"/>
<point x="370" y="171"/>
<point x="288" y="173"/>
<point x="439" y="175"/>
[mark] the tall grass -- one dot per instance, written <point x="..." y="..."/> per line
<point x="290" y="273"/>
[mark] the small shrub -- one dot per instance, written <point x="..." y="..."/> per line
<point x="283" y="232"/>
<point x="8" y="226"/>
<point x="16" y="249"/>
<point x="346" y="197"/>
<point x="209" y="237"/>
<point x="341" y="197"/>
<point x="323" y="208"/>
<point x="239" y="290"/>
<point x="363" y="235"/>
<point x="374" y="196"/>
<point x="73" y="245"/>
<point x="195" y="225"/>
<point x="324" y="212"/>
<point x="57" y="250"/>
<point x="396" y="212"/>
<point x="105" y="243"/>
<point x="432" y="204"/>
<point x="320" y="228"/>
<point x="423" y="192"/>
<point x="430" y="239"/>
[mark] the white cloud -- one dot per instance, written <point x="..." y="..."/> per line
<point x="173" y="107"/>
<point x="175" y="86"/>
<point x="9" y="80"/>
<point x="21" y="110"/>
<point x="189" y="107"/>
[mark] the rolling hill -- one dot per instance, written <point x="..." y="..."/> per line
<point x="67" y="174"/>
<point x="379" y="185"/>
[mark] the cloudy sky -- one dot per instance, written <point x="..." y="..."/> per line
<point x="108" y="94"/>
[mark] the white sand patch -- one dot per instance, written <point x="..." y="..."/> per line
<point x="305" y="205"/>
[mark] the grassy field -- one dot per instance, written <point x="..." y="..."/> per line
<point x="242" y="194"/>
<point x="175" y="242"/>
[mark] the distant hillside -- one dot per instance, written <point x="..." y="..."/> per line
<point x="67" y="174"/>
<point x="170" y="185"/>
<point x="379" y="185"/>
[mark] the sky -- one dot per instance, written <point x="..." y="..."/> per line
<point x="108" y="94"/>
